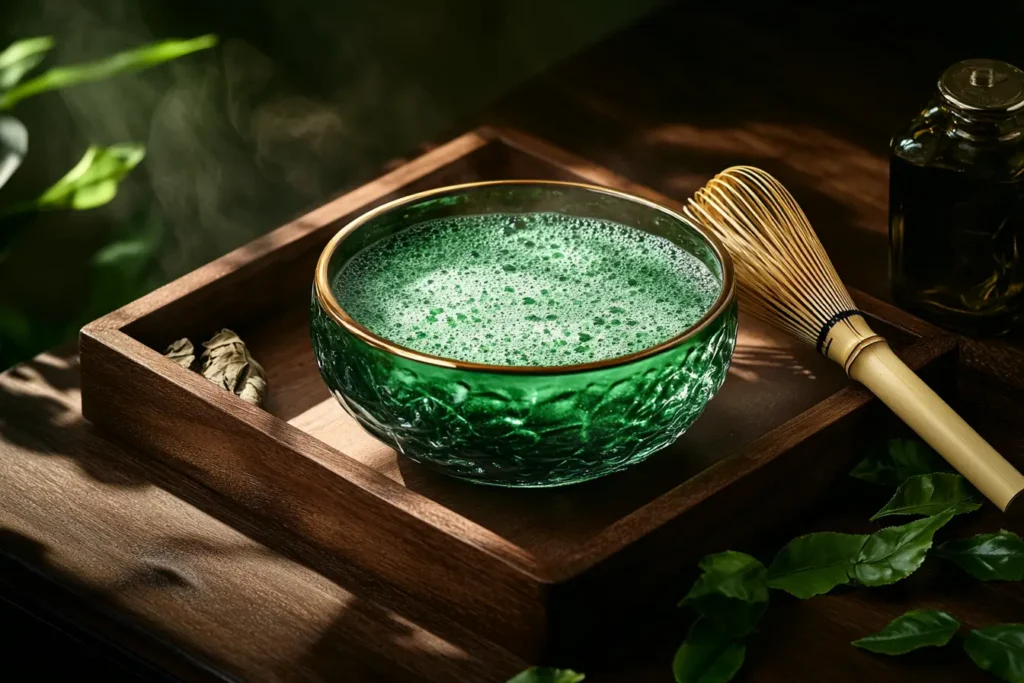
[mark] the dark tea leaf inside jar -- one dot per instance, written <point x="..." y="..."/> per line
<point x="957" y="202"/>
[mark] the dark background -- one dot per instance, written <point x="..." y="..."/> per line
<point x="305" y="98"/>
<point x="300" y="100"/>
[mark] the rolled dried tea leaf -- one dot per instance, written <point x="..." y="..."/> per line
<point x="227" y="363"/>
<point x="182" y="352"/>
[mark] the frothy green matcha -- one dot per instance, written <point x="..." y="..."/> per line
<point x="525" y="289"/>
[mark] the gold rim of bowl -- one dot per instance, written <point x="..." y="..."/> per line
<point x="331" y="306"/>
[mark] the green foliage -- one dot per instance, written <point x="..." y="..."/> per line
<point x="897" y="462"/>
<point x="707" y="655"/>
<point x="14" y="329"/>
<point x="130" y="60"/>
<point x="998" y="650"/>
<point x="989" y="557"/>
<point x="119" y="270"/>
<point x="896" y="552"/>
<point x="930" y="494"/>
<point x="816" y="563"/>
<point x="731" y="593"/>
<point x="546" y="675"/>
<point x="13" y="146"/>
<point x="122" y="270"/>
<point x="93" y="181"/>
<point x="21" y="57"/>
<point x="913" y="630"/>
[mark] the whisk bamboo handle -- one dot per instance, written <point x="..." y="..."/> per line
<point x="786" y="279"/>
<point x="888" y="378"/>
<point x="869" y="360"/>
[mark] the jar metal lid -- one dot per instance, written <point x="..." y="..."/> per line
<point x="983" y="86"/>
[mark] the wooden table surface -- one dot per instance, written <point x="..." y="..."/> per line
<point x="115" y="560"/>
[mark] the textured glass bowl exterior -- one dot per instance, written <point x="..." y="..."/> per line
<point x="526" y="427"/>
<point x="524" y="430"/>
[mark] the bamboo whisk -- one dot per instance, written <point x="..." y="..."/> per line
<point x="786" y="279"/>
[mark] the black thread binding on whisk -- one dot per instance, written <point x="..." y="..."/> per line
<point x="830" y="323"/>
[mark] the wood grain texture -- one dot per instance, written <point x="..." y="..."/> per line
<point x="1002" y="359"/>
<point x="511" y="565"/>
<point x="289" y="479"/>
<point x="667" y="104"/>
<point x="193" y="593"/>
<point x="95" y="523"/>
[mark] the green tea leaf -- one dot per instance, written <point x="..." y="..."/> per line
<point x="815" y="564"/>
<point x="15" y="329"/>
<point x="122" y="62"/>
<point x="13" y="146"/>
<point x="732" y="592"/>
<point x="21" y="57"/>
<point x="915" y="629"/>
<point x="93" y="181"/>
<point x="544" y="674"/>
<point x="707" y="655"/>
<point x="989" y="557"/>
<point x="896" y="552"/>
<point x="900" y="460"/>
<point x="126" y="267"/>
<point x="124" y="254"/>
<point x="999" y="650"/>
<point x="930" y="494"/>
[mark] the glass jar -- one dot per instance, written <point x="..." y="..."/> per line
<point x="956" y="202"/>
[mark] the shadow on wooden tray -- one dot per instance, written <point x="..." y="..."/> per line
<point x="38" y="618"/>
<point x="795" y="635"/>
<point x="812" y="635"/>
<point x="813" y="96"/>
<point x="809" y="640"/>
<point x="44" y="608"/>
<point x="44" y="392"/>
<point x="364" y="641"/>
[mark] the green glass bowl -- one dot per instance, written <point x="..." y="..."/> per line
<point x="512" y="425"/>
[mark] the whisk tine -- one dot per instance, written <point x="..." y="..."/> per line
<point x="785" y="276"/>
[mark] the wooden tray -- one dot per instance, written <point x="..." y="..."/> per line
<point x="529" y="570"/>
